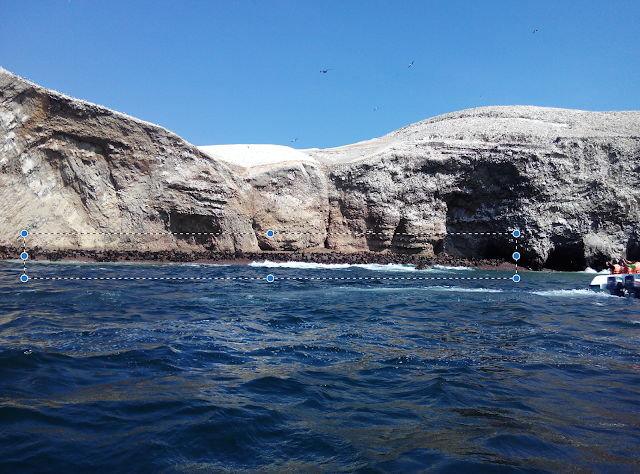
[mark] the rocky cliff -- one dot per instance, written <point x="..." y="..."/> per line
<point x="80" y="176"/>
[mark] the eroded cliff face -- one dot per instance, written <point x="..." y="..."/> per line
<point x="68" y="166"/>
<point x="568" y="180"/>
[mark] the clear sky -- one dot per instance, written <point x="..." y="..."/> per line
<point x="248" y="71"/>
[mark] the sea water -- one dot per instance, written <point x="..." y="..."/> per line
<point x="310" y="375"/>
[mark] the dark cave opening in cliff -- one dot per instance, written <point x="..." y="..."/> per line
<point x="193" y="228"/>
<point x="500" y="249"/>
<point x="567" y="257"/>
<point x="633" y="248"/>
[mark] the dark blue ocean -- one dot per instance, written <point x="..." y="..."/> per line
<point x="336" y="376"/>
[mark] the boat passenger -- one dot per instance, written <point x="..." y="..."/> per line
<point x="614" y="268"/>
<point x="624" y="268"/>
<point x="634" y="267"/>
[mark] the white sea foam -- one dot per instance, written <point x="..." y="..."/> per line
<point x="207" y="299"/>
<point x="572" y="293"/>
<point x="378" y="289"/>
<point x="465" y="290"/>
<point x="446" y="268"/>
<point x="457" y="289"/>
<point x="592" y="271"/>
<point x="392" y="267"/>
<point x="193" y="264"/>
<point x="301" y="265"/>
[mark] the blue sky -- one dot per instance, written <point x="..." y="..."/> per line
<point x="239" y="71"/>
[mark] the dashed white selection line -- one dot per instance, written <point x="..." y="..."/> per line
<point x="267" y="278"/>
<point x="270" y="234"/>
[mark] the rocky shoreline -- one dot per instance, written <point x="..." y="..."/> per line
<point x="240" y="258"/>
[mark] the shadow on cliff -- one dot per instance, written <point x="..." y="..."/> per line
<point x="483" y="211"/>
<point x="192" y="228"/>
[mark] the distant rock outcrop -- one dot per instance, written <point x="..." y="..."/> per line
<point x="86" y="177"/>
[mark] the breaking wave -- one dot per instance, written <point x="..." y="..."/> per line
<point x="572" y="293"/>
<point x="446" y="268"/>
<point x="392" y="267"/>
<point x="462" y="289"/>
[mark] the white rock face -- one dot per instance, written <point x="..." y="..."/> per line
<point x="567" y="179"/>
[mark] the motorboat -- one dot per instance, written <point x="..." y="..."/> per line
<point x="599" y="282"/>
<point x="620" y="284"/>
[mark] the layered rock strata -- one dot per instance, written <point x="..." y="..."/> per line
<point x="83" y="177"/>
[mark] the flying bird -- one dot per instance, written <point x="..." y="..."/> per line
<point x="325" y="71"/>
<point x="375" y="109"/>
<point x="411" y="63"/>
<point x="535" y="30"/>
<point x="294" y="140"/>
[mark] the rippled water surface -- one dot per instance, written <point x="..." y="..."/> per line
<point x="365" y="376"/>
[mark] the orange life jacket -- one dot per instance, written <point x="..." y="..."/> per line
<point x="617" y="269"/>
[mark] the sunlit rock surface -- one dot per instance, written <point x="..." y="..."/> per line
<point x="457" y="184"/>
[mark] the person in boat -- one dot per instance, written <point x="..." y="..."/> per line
<point x="614" y="268"/>
<point x="623" y="266"/>
<point x="633" y="267"/>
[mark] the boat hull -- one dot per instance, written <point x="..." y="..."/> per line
<point x="599" y="282"/>
<point x="618" y="285"/>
